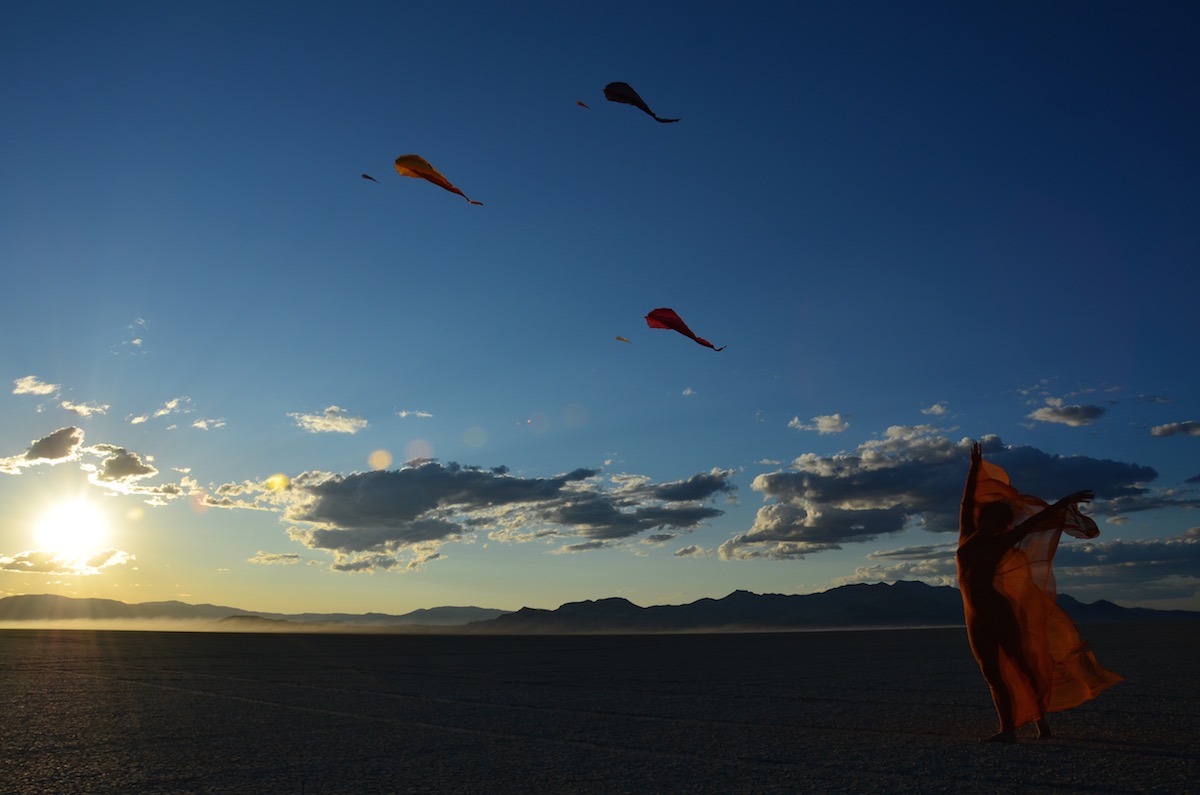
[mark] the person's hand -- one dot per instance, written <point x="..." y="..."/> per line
<point x="1080" y="496"/>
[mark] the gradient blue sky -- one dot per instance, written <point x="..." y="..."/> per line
<point x="913" y="225"/>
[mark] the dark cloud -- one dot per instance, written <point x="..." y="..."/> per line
<point x="1159" y="568"/>
<point x="911" y="477"/>
<point x="120" y="465"/>
<point x="61" y="445"/>
<point x="368" y="517"/>
<point x="585" y="546"/>
<point x="697" y="487"/>
<point x="1076" y="416"/>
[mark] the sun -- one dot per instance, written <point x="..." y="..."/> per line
<point x="73" y="529"/>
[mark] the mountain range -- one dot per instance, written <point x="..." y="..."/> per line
<point x="902" y="604"/>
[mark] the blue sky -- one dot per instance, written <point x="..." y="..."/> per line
<point x="263" y="381"/>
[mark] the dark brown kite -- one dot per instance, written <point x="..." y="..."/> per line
<point x="624" y="93"/>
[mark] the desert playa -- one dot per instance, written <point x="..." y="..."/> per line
<point x="854" y="711"/>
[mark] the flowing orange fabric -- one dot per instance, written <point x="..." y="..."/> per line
<point x="417" y="166"/>
<point x="1027" y="647"/>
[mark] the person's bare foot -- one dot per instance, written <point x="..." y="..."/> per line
<point x="1043" y="729"/>
<point x="1009" y="736"/>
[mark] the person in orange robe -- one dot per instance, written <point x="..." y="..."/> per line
<point x="1027" y="647"/>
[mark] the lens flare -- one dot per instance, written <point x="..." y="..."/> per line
<point x="418" y="449"/>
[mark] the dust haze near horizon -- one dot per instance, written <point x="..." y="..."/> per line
<point x="235" y="372"/>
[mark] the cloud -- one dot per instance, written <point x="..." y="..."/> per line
<point x="32" y="385"/>
<point x="275" y="558"/>
<point x="208" y="424"/>
<point x="822" y="424"/>
<point x="937" y="409"/>
<point x="1188" y="428"/>
<point x="933" y="564"/>
<point x="1159" y="568"/>
<point x="1076" y="416"/>
<point x="584" y="546"/>
<point x="40" y="561"/>
<point x="424" y="415"/>
<point x="692" y="551"/>
<point x="119" y="465"/>
<point x="179" y="405"/>
<point x="688" y="392"/>
<point x="911" y="477"/>
<point x="333" y="420"/>
<point x="134" y="342"/>
<point x="400" y="518"/>
<point x="84" y="409"/>
<point x="119" y="469"/>
<point x="60" y="446"/>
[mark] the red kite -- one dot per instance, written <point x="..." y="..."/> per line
<point x="623" y="92"/>
<point x="666" y="318"/>
<point x="368" y="176"/>
<point x="417" y="166"/>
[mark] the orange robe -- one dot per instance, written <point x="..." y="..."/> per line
<point x="1027" y="647"/>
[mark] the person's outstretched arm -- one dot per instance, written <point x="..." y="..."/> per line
<point x="1045" y="516"/>
<point x="966" y="516"/>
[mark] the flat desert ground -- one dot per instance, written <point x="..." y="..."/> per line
<point x="857" y="711"/>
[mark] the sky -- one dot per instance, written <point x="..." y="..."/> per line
<point x="236" y="372"/>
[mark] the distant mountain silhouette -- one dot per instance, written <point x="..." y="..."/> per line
<point x="902" y="604"/>
<point x="49" y="607"/>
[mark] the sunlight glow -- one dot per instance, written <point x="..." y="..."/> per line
<point x="277" y="482"/>
<point x="73" y="529"/>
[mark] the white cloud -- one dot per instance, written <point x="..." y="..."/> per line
<point x="32" y="385"/>
<point x="274" y="558"/>
<point x="179" y="405"/>
<point x="332" y="420"/>
<point x="937" y="409"/>
<point x="418" y="414"/>
<point x="40" y="561"/>
<point x="1188" y="428"/>
<point x="823" y="424"/>
<point x="84" y="409"/>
